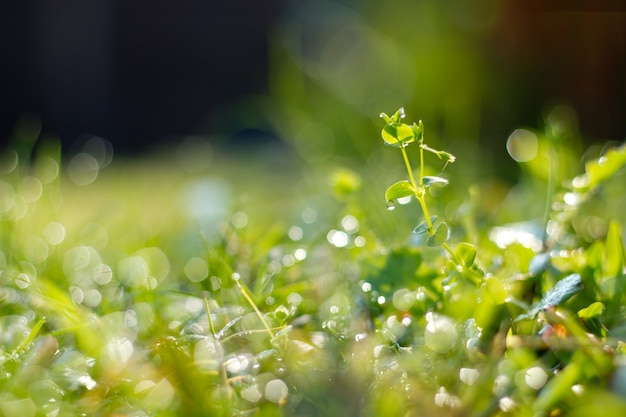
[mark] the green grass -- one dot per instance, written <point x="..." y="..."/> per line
<point x="257" y="288"/>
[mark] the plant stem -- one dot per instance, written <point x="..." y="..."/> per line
<point x="208" y="312"/>
<point x="409" y="170"/>
<point x="244" y="292"/>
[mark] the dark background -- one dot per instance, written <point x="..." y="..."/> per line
<point x="143" y="73"/>
<point x="131" y="72"/>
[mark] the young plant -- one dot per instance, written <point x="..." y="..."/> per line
<point x="400" y="135"/>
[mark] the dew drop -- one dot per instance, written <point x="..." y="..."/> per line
<point x="54" y="233"/>
<point x="83" y="169"/>
<point x="276" y="391"/>
<point x="337" y="238"/>
<point x="309" y="215"/>
<point x="22" y="281"/>
<point x="196" y="269"/>
<point x="350" y="224"/>
<point x="30" y="189"/>
<point x="522" y="145"/>
<point x="239" y="220"/>
<point x="299" y="254"/>
<point x="535" y="377"/>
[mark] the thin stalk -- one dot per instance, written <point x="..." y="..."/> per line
<point x="408" y="168"/>
<point x="208" y="313"/>
<point x="245" y="294"/>
<point x="553" y="159"/>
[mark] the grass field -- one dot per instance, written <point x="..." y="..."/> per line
<point x="262" y="286"/>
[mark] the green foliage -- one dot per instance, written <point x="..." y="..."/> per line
<point x="146" y="292"/>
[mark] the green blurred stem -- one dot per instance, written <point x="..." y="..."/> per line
<point x="553" y="161"/>
<point x="208" y="313"/>
<point x="244" y="292"/>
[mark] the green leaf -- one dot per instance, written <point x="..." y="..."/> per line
<point x="494" y="290"/>
<point x="423" y="226"/>
<point x="427" y="181"/>
<point x="613" y="262"/>
<point x="442" y="233"/>
<point x="397" y="134"/>
<point x="399" y="114"/>
<point x="418" y="131"/>
<point x="593" y="310"/>
<point x="601" y="169"/>
<point x="399" y="190"/>
<point x="467" y="253"/>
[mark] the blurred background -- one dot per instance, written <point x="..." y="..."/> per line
<point x="311" y="75"/>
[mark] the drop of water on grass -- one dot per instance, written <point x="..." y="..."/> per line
<point x="196" y="269"/>
<point x="309" y="215"/>
<point x="47" y="169"/>
<point x="506" y="404"/>
<point x="338" y="238"/>
<point x="289" y="260"/>
<point x="243" y="364"/>
<point x="299" y="254"/>
<point x="133" y="271"/>
<point x="77" y="295"/>
<point x="92" y="298"/>
<point x="360" y="336"/>
<point x="118" y="351"/>
<point x="22" y="281"/>
<point x="295" y="233"/>
<point x="294" y="299"/>
<point x="350" y="224"/>
<point x="276" y="391"/>
<point x="522" y="145"/>
<point x="535" y="377"/>
<point x="366" y="287"/>
<point x="239" y="220"/>
<point x="54" y="233"/>
<point x="468" y="375"/>
<point x="251" y="393"/>
<point x="30" y="189"/>
<point x="102" y="274"/>
<point x="83" y="169"/>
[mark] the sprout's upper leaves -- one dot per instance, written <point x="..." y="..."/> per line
<point x="397" y="134"/>
<point x="442" y="234"/>
<point x="399" y="190"/>
<point x="430" y="180"/>
<point x="399" y="114"/>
